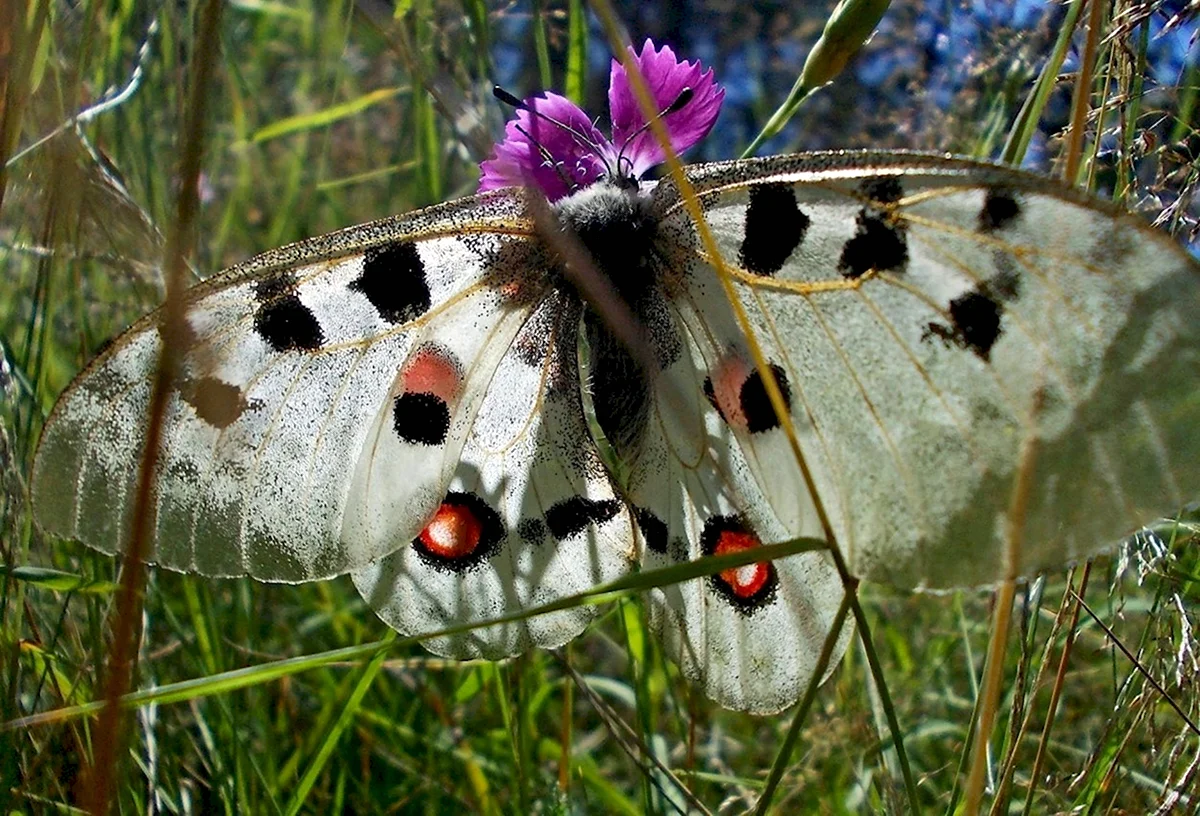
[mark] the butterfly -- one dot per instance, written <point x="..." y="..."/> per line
<point x="985" y="374"/>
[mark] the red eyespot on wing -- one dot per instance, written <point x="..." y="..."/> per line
<point x="463" y="534"/>
<point x="432" y="370"/>
<point x="747" y="588"/>
<point x="748" y="580"/>
<point x="454" y="532"/>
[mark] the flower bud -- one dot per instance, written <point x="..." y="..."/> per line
<point x="849" y="27"/>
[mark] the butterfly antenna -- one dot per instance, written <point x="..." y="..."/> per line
<point x="548" y="159"/>
<point x="684" y="97"/>
<point x="508" y="99"/>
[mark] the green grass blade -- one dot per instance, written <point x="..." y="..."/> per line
<point x="784" y="757"/>
<point x="302" y="123"/>
<point x="366" y="677"/>
<point x="266" y="672"/>
<point x="1035" y="103"/>
<point x="576" y="51"/>
<point x="541" y="47"/>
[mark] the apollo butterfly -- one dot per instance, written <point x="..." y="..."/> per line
<point x="408" y="400"/>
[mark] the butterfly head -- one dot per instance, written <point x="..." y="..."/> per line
<point x="553" y="146"/>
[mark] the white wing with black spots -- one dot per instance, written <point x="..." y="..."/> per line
<point x="942" y="326"/>
<point x="528" y="518"/>
<point x="749" y="637"/>
<point x="291" y="358"/>
<point x="987" y="375"/>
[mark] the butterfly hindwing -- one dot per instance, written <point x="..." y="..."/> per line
<point x="939" y="327"/>
<point x="414" y="444"/>
<point x="291" y="358"/>
<point x="749" y="637"/>
<point x="529" y="517"/>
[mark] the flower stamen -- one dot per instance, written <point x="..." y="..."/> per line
<point x="548" y="159"/>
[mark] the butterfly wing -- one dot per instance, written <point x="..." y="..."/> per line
<point x="529" y="517"/>
<point x="988" y="374"/>
<point x="294" y="360"/>
<point x="749" y="637"/>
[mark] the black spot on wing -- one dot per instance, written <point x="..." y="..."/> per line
<point x="215" y="402"/>
<point x="878" y="244"/>
<point x="775" y="226"/>
<point x="756" y="402"/>
<point x="282" y="320"/>
<point x="572" y="515"/>
<point x="977" y="323"/>
<point x="531" y="530"/>
<point x="421" y="419"/>
<point x="654" y="530"/>
<point x="393" y="279"/>
<point x="1000" y="208"/>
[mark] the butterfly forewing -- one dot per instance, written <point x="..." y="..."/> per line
<point x="942" y="327"/>
<point x="290" y="360"/>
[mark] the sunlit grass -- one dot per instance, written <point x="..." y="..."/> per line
<point x="321" y="117"/>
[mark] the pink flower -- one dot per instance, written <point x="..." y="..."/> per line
<point x="553" y="145"/>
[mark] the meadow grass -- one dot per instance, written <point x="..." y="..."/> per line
<point x="258" y="698"/>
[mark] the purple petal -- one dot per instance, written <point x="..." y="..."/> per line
<point x="666" y="77"/>
<point x="557" y="151"/>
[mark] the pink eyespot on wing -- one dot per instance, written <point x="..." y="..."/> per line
<point x="429" y="382"/>
<point x="724" y="389"/>
<point x="432" y="370"/>
<point x="735" y="388"/>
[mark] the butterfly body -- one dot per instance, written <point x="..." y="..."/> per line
<point x="619" y="270"/>
<point x="986" y="375"/>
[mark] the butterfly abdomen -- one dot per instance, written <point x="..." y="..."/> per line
<point x="633" y="333"/>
